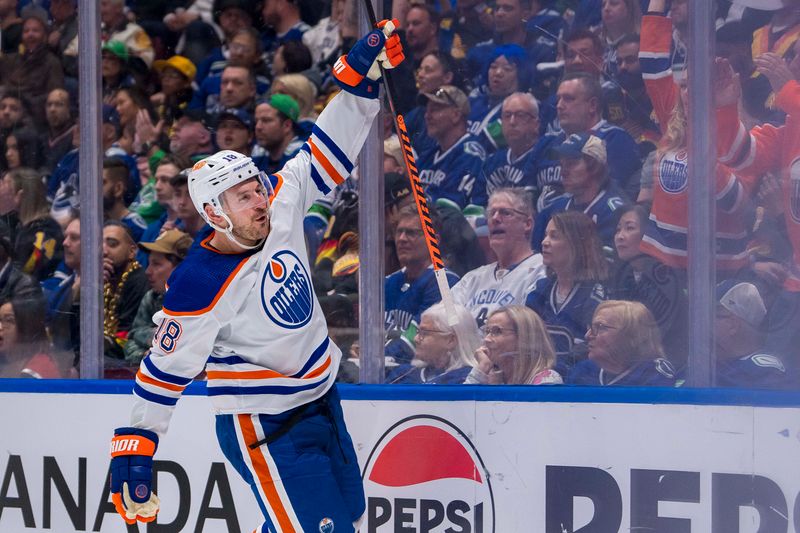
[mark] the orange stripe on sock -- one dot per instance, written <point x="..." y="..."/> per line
<point x="263" y="475"/>
<point x="329" y="168"/>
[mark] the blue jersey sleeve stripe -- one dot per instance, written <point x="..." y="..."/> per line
<point x="318" y="180"/>
<point x="655" y="65"/>
<point x="334" y="149"/>
<point x="163" y="376"/>
<point x="152" y="397"/>
<point x="315" y="357"/>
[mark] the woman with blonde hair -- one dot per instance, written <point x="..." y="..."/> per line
<point x="304" y="93"/>
<point x="442" y="353"/>
<point x="665" y="234"/>
<point x="516" y="350"/>
<point x="624" y="349"/>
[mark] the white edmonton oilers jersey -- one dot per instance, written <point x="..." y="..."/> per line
<point x="251" y="320"/>
<point x="488" y="288"/>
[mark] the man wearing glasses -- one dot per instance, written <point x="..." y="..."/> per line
<point x="410" y="290"/>
<point x="506" y="281"/>
<point x="450" y="171"/>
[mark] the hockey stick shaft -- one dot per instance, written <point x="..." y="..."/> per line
<point x="431" y="241"/>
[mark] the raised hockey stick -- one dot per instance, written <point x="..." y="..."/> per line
<point x="431" y="241"/>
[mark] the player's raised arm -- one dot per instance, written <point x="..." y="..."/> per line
<point x="329" y="155"/>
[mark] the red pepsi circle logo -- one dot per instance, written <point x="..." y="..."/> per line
<point x="373" y="39"/>
<point x="424" y="474"/>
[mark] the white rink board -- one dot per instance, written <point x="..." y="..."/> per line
<point x="529" y="450"/>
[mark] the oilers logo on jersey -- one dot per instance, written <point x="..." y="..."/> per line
<point x="794" y="190"/>
<point x="673" y="172"/>
<point x="286" y="294"/>
<point x="326" y="525"/>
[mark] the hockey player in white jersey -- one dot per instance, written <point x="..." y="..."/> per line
<point x="242" y="308"/>
<point x="506" y="281"/>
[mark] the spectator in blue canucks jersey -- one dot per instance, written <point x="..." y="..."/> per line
<point x="741" y="359"/>
<point x="624" y="349"/>
<point x="580" y="110"/>
<point x="584" y="174"/>
<point x="506" y="281"/>
<point x="442" y="353"/>
<point x="567" y="298"/>
<point x="450" y="172"/>
<point x="508" y="72"/>
<point x="516" y="165"/>
<point x="410" y="290"/>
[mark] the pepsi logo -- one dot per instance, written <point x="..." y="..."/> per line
<point x="425" y="475"/>
<point x="286" y="292"/>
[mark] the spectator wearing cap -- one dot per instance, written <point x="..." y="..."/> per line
<point x="393" y="156"/>
<point x="507" y="280"/>
<point x="11" y="26"/>
<point x="451" y="169"/>
<point x="117" y="27"/>
<point x="587" y="186"/>
<point x="517" y="164"/>
<point x="60" y="123"/>
<point x="625" y="349"/>
<point x="229" y="16"/>
<point x="235" y="130"/>
<point x="115" y="184"/>
<point x="190" y="137"/>
<point x="275" y="133"/>
<point x="165" y="254"/>
<point x="742" y="360"/>
<point x="63" y="38"/>
<point x="114" y="69"/>
<point x="176" y="76"/>
<point x="506" y="73"/>
<point x="34" y="70"/>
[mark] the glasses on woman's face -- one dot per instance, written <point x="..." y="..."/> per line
<point x="496" y="331"/>
<point x="422" y="333"/>
<point x="598" y="327"/>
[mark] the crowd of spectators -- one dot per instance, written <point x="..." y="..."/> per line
<point x="551" y="141"/>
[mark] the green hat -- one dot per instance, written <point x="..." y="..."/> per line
<point x="117" y="48"/>
<point x="286" y="105"/>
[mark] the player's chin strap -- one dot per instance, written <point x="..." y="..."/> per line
<point x="229" y="232"/>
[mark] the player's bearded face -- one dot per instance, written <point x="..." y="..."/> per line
<point x="248" y="209"/>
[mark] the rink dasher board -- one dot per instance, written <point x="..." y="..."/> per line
<point x="476" y="459"/>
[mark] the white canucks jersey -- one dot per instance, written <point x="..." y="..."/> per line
<point x="488" y="287"/>
<point x="251" y="320"/>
